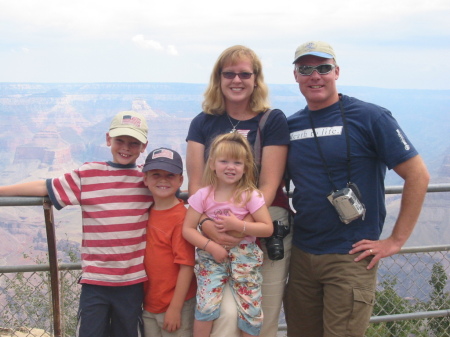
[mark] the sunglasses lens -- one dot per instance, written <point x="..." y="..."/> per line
<point x="245" y="76"/>
<point x="324" y="68"/>
<point x="228" y="75"/>
<point x="305" y="70"/>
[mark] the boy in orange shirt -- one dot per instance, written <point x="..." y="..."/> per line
<point x="169" y="301"/>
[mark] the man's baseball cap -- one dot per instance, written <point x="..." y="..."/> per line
<point x="316" y="48"/>
<point x="164" y="159"/>
<point x="129" y="123"/>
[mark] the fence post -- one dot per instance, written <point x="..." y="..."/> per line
<point x="54" y="272"/>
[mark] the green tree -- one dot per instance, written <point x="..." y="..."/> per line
<point x="439" y="300"/>
<point x="388" y="302"/>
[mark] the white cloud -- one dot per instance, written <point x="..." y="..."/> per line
<point x="140" y="41"/>
<point x="171" y="50"/>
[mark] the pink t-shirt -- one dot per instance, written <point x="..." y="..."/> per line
<point x="203" y="202"/>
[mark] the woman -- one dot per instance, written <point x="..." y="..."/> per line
<point x="235" y="100"/>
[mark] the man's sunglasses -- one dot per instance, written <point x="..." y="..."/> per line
<point x="230" y="75"/>
<point x="322" y="69"/>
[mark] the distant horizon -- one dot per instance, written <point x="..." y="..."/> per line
<point x="205" y="83"/>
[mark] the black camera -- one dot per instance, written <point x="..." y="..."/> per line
<point x="274" y="243"/>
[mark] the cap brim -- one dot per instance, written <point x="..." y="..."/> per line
<point x="316" y="53"/>
<point x="117" y="132"/>
<point x="162" y="166"/>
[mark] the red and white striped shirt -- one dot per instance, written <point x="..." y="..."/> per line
<point x="114" y="203"/>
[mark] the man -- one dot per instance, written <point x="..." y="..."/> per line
<point x="338" y="143"/>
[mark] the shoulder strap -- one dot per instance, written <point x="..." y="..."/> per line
<point x="257" y="149"/>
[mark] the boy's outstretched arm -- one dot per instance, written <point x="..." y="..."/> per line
<point x="172" y="318"/>
<point x="36" y="188"/>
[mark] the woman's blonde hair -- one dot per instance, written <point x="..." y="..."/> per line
<point x="214" y="103"/>
<point x="234" y="146"/>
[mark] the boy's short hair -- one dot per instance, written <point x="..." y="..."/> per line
<point x="129" y="123"/>
<point x="164" y="159"/>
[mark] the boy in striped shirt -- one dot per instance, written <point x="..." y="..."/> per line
<point x="114" y="202"/>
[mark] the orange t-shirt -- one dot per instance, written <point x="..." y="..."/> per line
<point x="165" y="251"/>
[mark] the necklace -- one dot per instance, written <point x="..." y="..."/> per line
<point x="234" y="126"/>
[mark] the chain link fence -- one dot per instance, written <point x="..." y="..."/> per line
<point x="413" y="294"/>
<point x="412" y="297"/>
<point x="26" y="304"/>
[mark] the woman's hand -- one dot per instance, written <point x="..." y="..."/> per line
<point x="228" y="222"/>
<point x="221" y="238"/>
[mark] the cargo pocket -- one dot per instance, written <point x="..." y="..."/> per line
<point x="363" y="302"/>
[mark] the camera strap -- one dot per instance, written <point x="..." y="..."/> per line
<point x="257" y="148"/>
<point x="347" y="141"/>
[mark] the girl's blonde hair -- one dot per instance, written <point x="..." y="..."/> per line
<point x="214" y="103"/>
<point x="233" y="146"/>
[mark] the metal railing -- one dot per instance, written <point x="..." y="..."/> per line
<point x="410" y="301"/>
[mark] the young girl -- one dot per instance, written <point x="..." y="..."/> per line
<point x="228" y="197"/>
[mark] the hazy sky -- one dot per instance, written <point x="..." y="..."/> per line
<point x="384" y="43"/>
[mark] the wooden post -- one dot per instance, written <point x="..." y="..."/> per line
<point x="54" y="272"/>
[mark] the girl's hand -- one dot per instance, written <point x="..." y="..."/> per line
<point x="228" y="222"/>
<point x="219" y="253"/>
